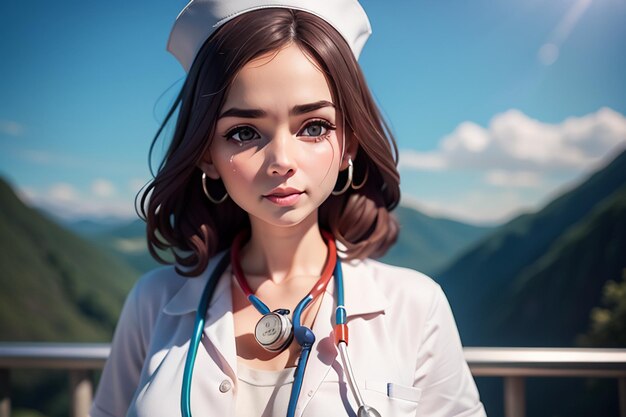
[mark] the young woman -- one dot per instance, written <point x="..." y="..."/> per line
<point x="273" y="196"/>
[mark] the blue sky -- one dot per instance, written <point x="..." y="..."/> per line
<point x="496" y="105"/>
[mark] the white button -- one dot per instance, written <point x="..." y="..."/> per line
<point x="310" y="393"/>
<point x="225" y="386"/>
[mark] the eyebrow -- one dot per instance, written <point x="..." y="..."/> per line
<point x="258" y="113"/>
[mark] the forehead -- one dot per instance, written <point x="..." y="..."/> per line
<point x="284" y="77"/>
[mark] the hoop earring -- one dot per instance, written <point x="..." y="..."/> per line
<point x="206" y="192"/>
<point x="349" y="182"/>
<point x="367" y="173"/>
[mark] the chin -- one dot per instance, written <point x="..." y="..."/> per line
<point x="286" y="219"/>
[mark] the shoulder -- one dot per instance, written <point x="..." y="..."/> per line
<point x="158" y="284"/>
<point x="152" y="291"/>
<point x="405" y="289"/>
<point x="165" y="289"/>
<point x="397" y="279"/>
<point x="399" y="274"/>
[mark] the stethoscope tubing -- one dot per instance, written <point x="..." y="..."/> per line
<point x="297" y="381"/>
<point x="343" y="352"/>
<point x="306" y="346"/>
<point x="304" y="336"/>
<point x="196" y="336"/>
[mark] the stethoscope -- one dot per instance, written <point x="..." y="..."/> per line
<point x="274" y="331"/>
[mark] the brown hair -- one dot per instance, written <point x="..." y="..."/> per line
<point x="179" y="216"/>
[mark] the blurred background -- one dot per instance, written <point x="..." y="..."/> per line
<point x="510" y="121"/>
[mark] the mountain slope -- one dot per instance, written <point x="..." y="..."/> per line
<point x="551" y="299"/>
<point x="491" y="270"/>
<point x="54" y="285"/>
<point x="427" y="243"/>
<point x="126" y="241"/>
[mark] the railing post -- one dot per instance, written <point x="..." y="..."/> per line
<point x="5" y="393"/>
<point x="81" y="391"/>
<point x="514" y="397"/>
<point x="622" y="396"/>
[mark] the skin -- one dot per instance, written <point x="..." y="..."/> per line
<point x="262" y="155"/>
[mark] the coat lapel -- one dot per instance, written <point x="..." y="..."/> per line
<point x="220" y="328"/>
<point x="362" y="296"/>
<point x="219" y="331"/>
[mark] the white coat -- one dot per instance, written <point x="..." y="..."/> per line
<point x="401" y="332"/>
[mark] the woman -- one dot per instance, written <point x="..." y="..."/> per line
<point x="279" y="156"/>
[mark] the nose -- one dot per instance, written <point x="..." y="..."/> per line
<point x="280" y="155"/>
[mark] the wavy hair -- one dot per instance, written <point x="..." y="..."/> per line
<point x="178" y="215"/>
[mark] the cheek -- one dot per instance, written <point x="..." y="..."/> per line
<point x="322" y="162"/>
<point x="237" y="167"/>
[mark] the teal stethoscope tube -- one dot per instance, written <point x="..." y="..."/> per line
<point x="303" y="335"/>
<point x="198" y="328"/>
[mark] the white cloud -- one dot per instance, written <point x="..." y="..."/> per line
<point x="26" y="194"/>
<point x="429" y="161"/>
<point x="11" y="128"/>
<point x="515" y="142"/>
<point x="468" y="137"/>
<point x="65" y="201"/>
<point x="62" y="193"/>
<point x="475" y="207"/>
<point x="102" y="188"/>
<point x="501" y="178"/>
<point x="515" y="163"/>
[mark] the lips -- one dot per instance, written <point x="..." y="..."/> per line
<point x="284" y="196"/>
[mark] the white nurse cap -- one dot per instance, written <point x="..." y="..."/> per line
<point x="200" y="18"/>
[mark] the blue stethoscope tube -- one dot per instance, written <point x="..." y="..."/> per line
<point x="196" y="336"/>
<point x="303" y="335"/>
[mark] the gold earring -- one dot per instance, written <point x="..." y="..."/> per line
<point x="206" y="192"/>
<point x="349" y="182"/>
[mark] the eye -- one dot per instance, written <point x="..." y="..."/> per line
<point x="317" y="128"/>
<point x="242" y="134"/>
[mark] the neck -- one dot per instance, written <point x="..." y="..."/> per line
<point x="279" y="254"/>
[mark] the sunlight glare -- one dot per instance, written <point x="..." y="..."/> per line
<point x="549" y="51"/>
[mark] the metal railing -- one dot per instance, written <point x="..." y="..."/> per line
<point x="512" y="364"/>
<point x="516" y="364"/>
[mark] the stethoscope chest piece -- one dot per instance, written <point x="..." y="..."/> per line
<point x="274" y="331"/>
<point x="365" y="411"/>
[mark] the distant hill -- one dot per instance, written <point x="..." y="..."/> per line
<point x="425" y="243"/>
<point x="125" y="240"/>
<point x="551" y="299"/>
<point x="54" y="285"/>
<point x="428" y="243"/>
<point x="533" y="280"/>
<point x="90" y="227"/>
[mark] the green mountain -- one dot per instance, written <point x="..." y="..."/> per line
<point x="126" y="241"/>
<point x="534" y="280"/>
<point x="89" y="227"/>
<point x="54" y="286"/>
<point x="550" y="300"/>
<point x="427" y="243"/>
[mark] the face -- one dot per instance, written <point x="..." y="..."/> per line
<point x="278" y="141"/>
